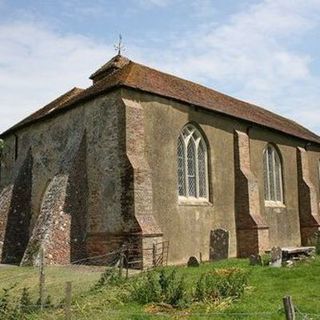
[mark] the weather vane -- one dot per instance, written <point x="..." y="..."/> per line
<point x="119" y="47"/>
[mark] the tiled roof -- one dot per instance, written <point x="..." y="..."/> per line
<point x="121" y="72"/>
<point x="47" y="110"/>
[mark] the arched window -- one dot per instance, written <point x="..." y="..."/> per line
<point x="273" y="187"/>
<point x="192" y="164"/>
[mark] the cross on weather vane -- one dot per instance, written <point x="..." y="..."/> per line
<point x="119" y="47"/>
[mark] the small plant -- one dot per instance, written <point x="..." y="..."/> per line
<point x="265" y="259"/>
<point x="160" y="287"/>
<point x="26" y="305"/>
<point x="4" y="302"/>
<point x="109" y="277"/>
<point x="8" y="310"/>
<point x="147" y="289"/>
<point x="221" y="284"/>
<point x="231" y="282"/>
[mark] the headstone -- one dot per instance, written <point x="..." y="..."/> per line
<point x="276" y="257"/>
<point x="255" y="260"/>
<point x="219" y="244"/>
<point x="193" y="262"/>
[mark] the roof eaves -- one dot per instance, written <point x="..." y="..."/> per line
<point x="223" y="113"/>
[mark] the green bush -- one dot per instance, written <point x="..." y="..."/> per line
<point x="109" y="277"/>
<point x="220" y="284"/>
<point x="146" y="288"/>
<point x="265" y="259"/>
<point x="160" y="287"/>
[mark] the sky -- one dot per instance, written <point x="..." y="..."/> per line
<point x="263" y="51"/>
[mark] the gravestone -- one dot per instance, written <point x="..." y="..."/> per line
<point x="255" y="260"/>
<point x="276" y="257"/>
<point x="193" y="262"/>
<point x="219" y="244"/>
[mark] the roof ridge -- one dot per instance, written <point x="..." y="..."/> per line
<point x="137" y="76"/>
<point x="244" y="105"/>
<point x="242" y="101"/>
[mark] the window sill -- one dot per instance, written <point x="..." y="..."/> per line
<point x="194" y="202"/>
<point x="274" y="204"/>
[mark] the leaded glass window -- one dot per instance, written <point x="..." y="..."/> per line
<point x="192" y="164"/>
<point x="273" y="187"/>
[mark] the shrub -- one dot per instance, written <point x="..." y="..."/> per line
<point x="220" y="284"/>
<point x="160" y="287"/>
<point x="146" y="289"/>
<point x="173" y="289"/>
<point x="231" y="282"/>
<point x="109" y="277"/>
<point x="265" y="259"/>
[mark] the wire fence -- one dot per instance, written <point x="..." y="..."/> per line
<point x="125" y="260"/>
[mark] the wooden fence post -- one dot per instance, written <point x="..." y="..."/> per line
<point x="289" y="308"/>
<point x="41" y="279"/>
<point x="121" y="262"/>
<point x="67" y="307"/>
<point x="127" y="262"/>
<point x="154" y="254"/>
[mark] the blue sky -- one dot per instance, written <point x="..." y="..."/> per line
<point x="263" y="51"/>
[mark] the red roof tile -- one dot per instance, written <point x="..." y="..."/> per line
<point x="121" y="72"/>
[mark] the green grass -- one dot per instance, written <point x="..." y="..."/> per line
<point x="82" y="278"/>
<point x="262" y="299"/>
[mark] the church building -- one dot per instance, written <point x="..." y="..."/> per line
<point x="142" y="157"/>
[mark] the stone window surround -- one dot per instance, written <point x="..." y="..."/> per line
<point x="189" y="132"/>
<point x="278" y="188"/>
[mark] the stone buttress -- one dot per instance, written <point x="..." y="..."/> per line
<point x="308" y="204"/>
<point x="140" y="185"/>
<point x="252" y="230"/>
<point x="60" y="226"/>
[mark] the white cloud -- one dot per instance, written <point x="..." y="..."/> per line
<point x="251" y="55"/>
<point x="158" y="3"/>
<point x="38" y="64"/>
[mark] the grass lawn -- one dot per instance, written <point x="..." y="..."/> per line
<point x="262" y="298"/>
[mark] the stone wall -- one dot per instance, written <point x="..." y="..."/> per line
<point x="5" y="202"/>
<point x="78" y="204"/>
<point x="187" y="226"/>
<point x="236" y="181"/>
<point x="19" y="214"/>
<point x="282" y="219"/>
<point x="105" y="174"/>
